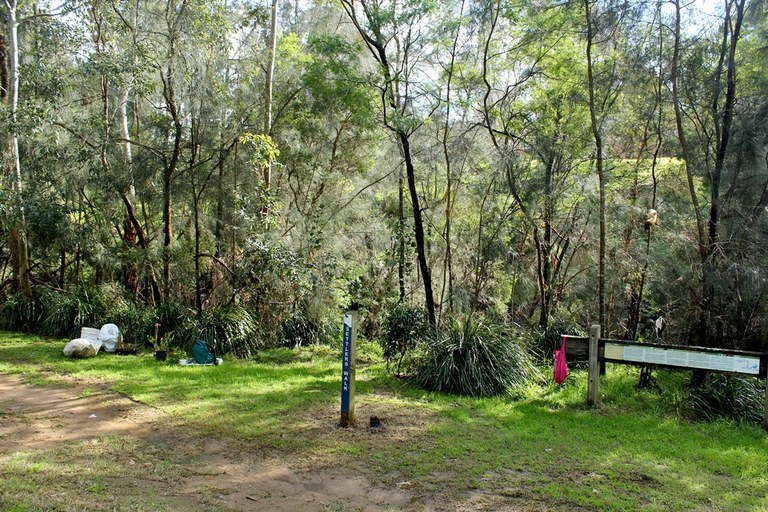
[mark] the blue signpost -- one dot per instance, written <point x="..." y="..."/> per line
<point x="348" y="369"/>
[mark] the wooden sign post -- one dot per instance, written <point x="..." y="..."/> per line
<point x="349" y="339"/>
<point x="599" y="351"/>
<point x="594" y="366"/>
<point x="765" y="414"/>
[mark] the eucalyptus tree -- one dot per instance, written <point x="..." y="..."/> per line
<point x="395" y="33"/>
<point x="705" y="98"/>
<point x="11" y="161"/>
<point x="535" y="112"/>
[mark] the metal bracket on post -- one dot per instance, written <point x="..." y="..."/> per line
<point x="594" y="365"/>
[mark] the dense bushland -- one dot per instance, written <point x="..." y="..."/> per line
<point x="534" y="168"/>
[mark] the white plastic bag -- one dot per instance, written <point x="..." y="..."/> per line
<point x="81" y="347"/>
<point x="108" y="336"/>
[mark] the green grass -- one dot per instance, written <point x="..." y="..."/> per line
<point x="634" y="452"/>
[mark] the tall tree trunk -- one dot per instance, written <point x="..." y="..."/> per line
<point x="723" y="123"/>
<point x="18" y="230"/>
<point x="268" y="91"/>
<point x="418" y="226"/>
<point x="129" y="193"/>
<point x="196" y="213"/>
<point x="401" y="237"/>
<point x="3" y="68"/>
<point x="596" y="133"/>
<point x="391" y="102"/>
<point x="168" y="175"/>
<point x="708" y="237"/>
<point x="449" y="192"/>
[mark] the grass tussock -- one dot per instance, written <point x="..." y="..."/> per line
<point x="475" y="358"/>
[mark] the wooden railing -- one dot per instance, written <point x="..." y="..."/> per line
<point x="598" y="351"/>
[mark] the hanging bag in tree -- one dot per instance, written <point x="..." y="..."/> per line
<point x="561" y="365"/>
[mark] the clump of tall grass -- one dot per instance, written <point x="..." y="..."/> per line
<point x="65" y="313"/>
<point x="230" y="329"/>
<point x="58" y="313"/>
<point x="24" y="314"/>
<point x="473" y="357"/>
<point x="728" y="396"/>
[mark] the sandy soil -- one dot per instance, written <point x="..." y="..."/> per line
<point x="41" y="418"/>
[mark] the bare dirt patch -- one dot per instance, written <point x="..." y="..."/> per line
<point x="126" y="455"/>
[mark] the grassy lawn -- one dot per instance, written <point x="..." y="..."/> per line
<point x="634" y="452"/>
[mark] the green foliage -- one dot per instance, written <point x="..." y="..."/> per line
<point x="175" y="320"/>
<point x="63" y="314"/>
<point x="230" y="329"/>
<point x="404" y="324"/>
<point x="473" y="357"/>
<point x="545" y="342"/>
<point x="66" y="313"/>
<point x="728" y="396"/>
<point x="135" y="322"/>
<point x="301" y="330"/>
<point x="22" y="314"/>
<point x="263" y="147"/>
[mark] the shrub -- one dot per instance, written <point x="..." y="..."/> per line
<point x="231" y="329"/>
<point x="475" y="358"/>
<point x="67" y="312"/>
<point x="300" y="330"/>
<point x="403" y="325"/>
<point x="177" y="324"/>
<point x="23" y="314"/>
<point x="728" y="396"/>
<point x="546" y="341"/>
<point x="135" y="322"/>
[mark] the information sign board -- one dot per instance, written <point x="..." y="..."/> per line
<point x="683" y="358"/>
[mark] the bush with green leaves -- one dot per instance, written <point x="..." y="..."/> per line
<point x="176" y="323"/>
<point x="404" y="324"/>
<point x="61" y="314"/>
<point x="728" y="396"/>
<point x="473" y="357"/>
<point x="230" y="329"/>
<point x="546" y="341"/>
<point x="84" y="307"/>
<point x="300" y="330"/>
<point x="19" y="313"/>
<point x="135" y="322"/>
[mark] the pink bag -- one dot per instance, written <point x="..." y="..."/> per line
<point x="561" y="365"/>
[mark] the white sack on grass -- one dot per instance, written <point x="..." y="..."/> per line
<point x="108" y="335"/>
<point x="82" y="348"/>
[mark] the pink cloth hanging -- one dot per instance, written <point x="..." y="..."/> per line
<point x="561" y="365"/>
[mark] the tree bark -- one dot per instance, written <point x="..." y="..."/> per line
<point x="268" y="90"/>
<point x="598" y="164"/>
<point x="18" y="231"/>
<point x="418" y="222"/>
<point x="390" y="101"/>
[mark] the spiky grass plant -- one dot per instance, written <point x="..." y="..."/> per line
<point x="67" y="312"/>
<point x="135" y="322"/>
<point x="473" y="357"/>
<point x="19" y="313"/>
<point x="231" y="329"/>
<point x="728" y="396"/>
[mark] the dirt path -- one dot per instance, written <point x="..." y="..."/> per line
<point x="71" y="448"/>
<point x="41" y="420"/>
